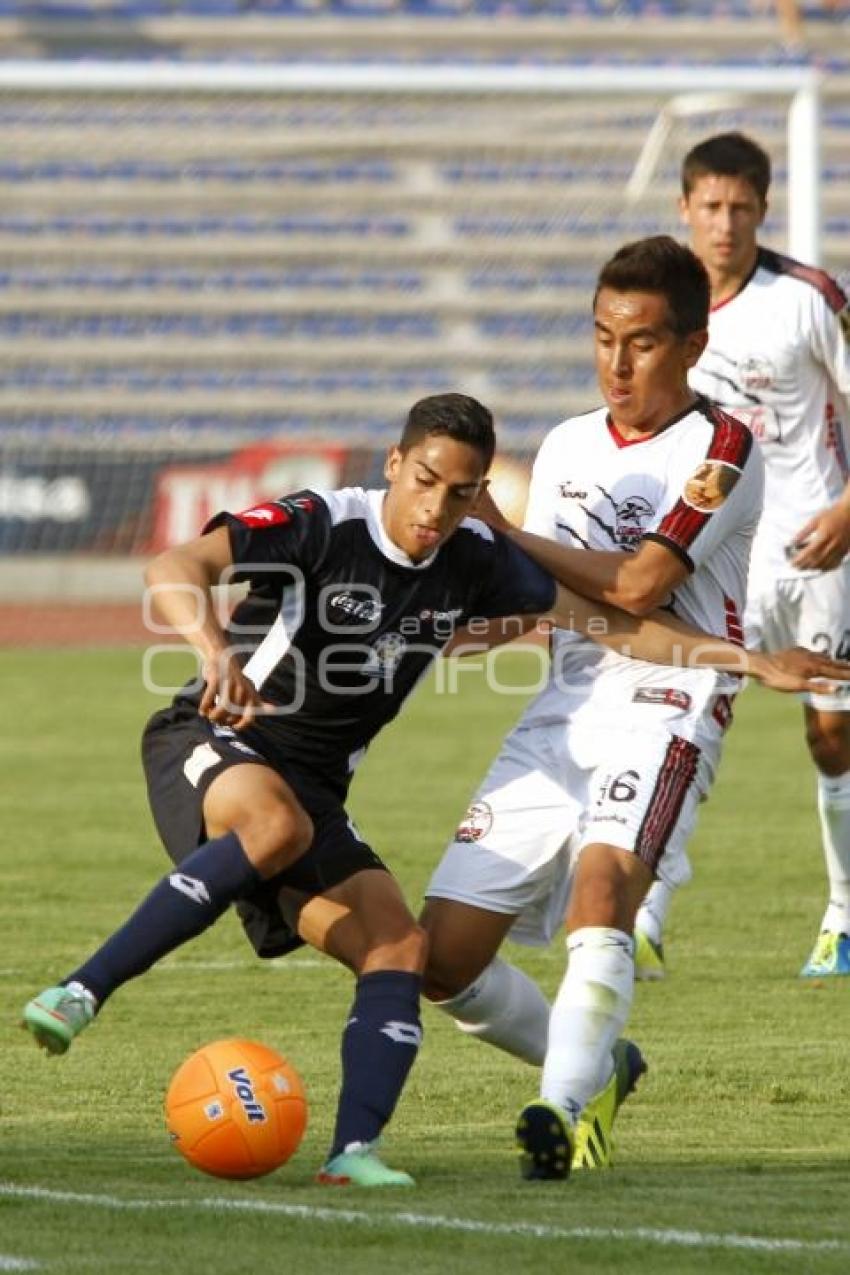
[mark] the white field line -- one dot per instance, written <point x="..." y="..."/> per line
<point x="434" y="1222"/>
<point x="8" y="1263"/>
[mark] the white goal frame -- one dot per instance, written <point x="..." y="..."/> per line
<point x="691" y="88"/>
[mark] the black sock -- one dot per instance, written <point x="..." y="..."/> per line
<point x="379" y="1046"/>
<point x="179" y="907"/>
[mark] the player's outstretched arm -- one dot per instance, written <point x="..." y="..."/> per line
<point x="180" y="583"/>
<point x="662" y="638"/>
<point x="637" y="582"/>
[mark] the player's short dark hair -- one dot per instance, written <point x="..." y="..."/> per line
<point x="456" y="415"/>
<point x="661" y="264"/>
<point x="727" y="155"/>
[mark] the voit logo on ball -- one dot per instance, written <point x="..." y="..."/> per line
<point x="244" y="1091"/>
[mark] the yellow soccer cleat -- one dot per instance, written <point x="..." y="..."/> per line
<point x="830" y="956"/>
<point x="649" y="959"/>
<point x="594" y="1145"/>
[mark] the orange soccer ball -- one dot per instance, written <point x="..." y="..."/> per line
<point x="236" y="1109"/>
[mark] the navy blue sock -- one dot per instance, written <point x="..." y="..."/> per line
<point x="379" y="1046"/>
<point x="180" y="906"/>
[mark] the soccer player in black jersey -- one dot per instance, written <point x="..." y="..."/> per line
<point x="351" y="595"/>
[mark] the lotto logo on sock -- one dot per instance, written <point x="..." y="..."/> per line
<point x="190" y="886"/>
<point x="403" y="1033"/>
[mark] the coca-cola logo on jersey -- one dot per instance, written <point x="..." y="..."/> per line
<point x="756" y="373"/>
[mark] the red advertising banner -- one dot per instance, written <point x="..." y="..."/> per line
<point x="187" y="496"/>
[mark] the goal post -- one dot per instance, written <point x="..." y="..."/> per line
<point x="688" y="86"/>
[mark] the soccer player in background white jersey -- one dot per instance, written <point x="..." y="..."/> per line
<point x="651" y="500"/>
<point x="778" y="359"/>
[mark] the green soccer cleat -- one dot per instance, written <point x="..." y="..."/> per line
<point x="594" y="1143"/>
<point x="358" y="1165"/>
<point x="546" y="1142"/>
<point x="649" y="959"/>
<point x="59" y="1014"/>
<point x="830" y="956"/>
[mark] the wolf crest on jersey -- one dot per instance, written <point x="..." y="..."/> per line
<point x="633" y="516"/>
<point x="624" y="521"/>
<point x="756" y="373"/>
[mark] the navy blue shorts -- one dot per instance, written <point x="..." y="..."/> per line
<point x="182" y="753"/>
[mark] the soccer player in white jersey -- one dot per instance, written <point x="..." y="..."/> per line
<point x="778" y="358"/>
<point x="650" y="500"/>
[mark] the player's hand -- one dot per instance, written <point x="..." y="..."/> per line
<point x="230" y="698"/>
<point x="824" y="541"/>
<point x="798" y="669"/>
<point x="488" y="511"/>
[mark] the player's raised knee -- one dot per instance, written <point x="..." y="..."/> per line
<point x="275" y="836"/>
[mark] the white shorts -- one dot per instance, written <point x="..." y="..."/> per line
<point x="812" y="611"/>
<point x="556" y="788"/>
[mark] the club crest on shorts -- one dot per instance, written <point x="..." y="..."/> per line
<point x="669" y="696"/>
<point x="709" y="485"/>
<point x="475" y="824"/>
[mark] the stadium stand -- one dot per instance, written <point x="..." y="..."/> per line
<point x="182" y="276"/>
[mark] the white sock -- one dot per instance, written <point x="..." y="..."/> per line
<point x="834" y="811"/>
<point x="589" y="1013"/>
<point x="653" y="911"/>
<point x="506" y="1008"/>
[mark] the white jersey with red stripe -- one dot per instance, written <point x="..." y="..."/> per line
<point x="778" y="358"/>
<point x="695" y="487"/>
<point x="612" y="750"/>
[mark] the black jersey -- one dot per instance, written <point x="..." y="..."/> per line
<point x="339" y="624"/>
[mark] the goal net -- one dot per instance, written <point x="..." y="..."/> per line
<point x="221" y="283"/>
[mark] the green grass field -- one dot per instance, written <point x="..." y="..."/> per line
<point x="734" y="1155"/>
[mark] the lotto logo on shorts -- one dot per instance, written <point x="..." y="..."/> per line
<point x="475" y="824"/>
